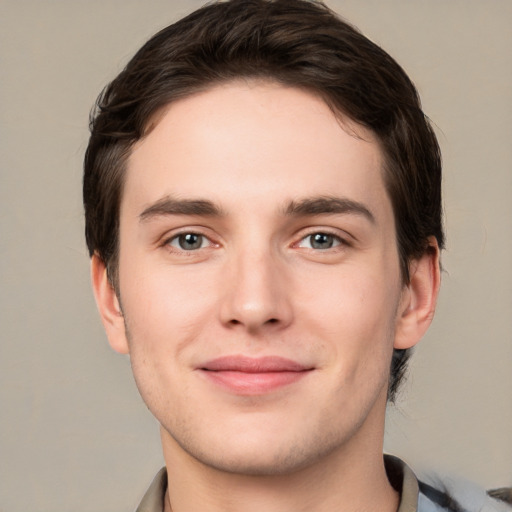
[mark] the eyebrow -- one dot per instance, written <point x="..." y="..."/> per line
<point x="172" y="206"/>
<point x="309" y="206"/>
<point x="327" y="205"/>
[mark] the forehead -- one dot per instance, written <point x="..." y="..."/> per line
<point x="251" y="140"/>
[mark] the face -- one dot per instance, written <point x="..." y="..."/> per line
<point x="259" y="279"/>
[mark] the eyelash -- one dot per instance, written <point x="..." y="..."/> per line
<point x="176" y="238"/>
<point x="338" y="242"/>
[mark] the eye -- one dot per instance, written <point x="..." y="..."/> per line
<point x="189" y="242"/>
<point x="320" y="241"/>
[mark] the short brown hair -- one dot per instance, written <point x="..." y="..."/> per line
<point x="298" y="43"/>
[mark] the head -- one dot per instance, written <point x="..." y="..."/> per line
<point x="298" y="44"/>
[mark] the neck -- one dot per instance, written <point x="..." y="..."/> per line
<point x="347" y="491"/>
<point x="352" y="478"/>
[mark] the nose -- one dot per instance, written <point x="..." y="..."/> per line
<point x="258" y="293"/>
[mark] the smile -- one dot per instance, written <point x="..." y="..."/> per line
<point x="253" y="376"/>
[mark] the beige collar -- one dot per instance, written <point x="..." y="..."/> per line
<point x="400" y="476"/>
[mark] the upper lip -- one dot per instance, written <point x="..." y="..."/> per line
<point x="266" y="364"/>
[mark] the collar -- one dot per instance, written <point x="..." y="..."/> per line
<point x="399" y="474"/>
<point x="404" y="481"/>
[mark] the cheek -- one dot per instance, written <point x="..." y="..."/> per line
<point x="353" y="313"/>
<point x="164" y="316"/>
<point x="165" y="308"/>
<point x="351" y="297"/>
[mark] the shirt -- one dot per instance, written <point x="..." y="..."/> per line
<point x="415" y="496"/>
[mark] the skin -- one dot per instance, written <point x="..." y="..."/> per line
<point x="259" y="284"/>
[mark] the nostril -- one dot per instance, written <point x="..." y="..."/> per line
<point x="234" y="321"/>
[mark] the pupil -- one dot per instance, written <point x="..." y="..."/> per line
<point x="190" y="241"/>
<point x="321" y="241"/>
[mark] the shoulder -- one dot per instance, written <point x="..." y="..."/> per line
<point x="153" y="500"/>
<point x="441" y="493"/>
<point x="448" y="493"/>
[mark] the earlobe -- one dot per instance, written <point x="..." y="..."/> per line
<point x="108" y="306"/>
<point x="419" y="298"/>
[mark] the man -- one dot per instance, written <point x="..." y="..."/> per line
<point x="263" y="214"/>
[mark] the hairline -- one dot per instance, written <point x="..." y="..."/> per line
<point x="351" y="126"/>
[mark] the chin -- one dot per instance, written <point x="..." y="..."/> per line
<point x="253" y="455"/>
<point x="272" y="464"/>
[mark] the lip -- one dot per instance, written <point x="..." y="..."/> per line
<point x="253" y="376"/>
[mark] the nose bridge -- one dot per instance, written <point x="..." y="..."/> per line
<point x="257" y="293"/>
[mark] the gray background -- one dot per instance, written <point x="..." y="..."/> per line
<point x="74" y="435"/>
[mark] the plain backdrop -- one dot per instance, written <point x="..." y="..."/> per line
<point x="74" y="434"/>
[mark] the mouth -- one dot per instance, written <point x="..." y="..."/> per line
<point x="253" y="376"/>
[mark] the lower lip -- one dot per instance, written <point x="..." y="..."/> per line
<point x="244" y="383"/>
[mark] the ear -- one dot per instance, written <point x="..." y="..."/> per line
<point x="419" y="298"/>
<point x="108" y="306"/>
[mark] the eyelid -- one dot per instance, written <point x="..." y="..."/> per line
<point x="336" y="242"/>
<point x="343" y="237"/>
<point x="186" y="230"/>
<point x="176" y="240"/>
